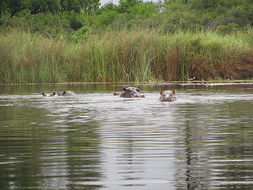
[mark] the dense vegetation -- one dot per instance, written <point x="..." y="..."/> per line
<point x="79" y="40"/>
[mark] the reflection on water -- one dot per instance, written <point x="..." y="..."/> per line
<point x="95" y="140"/>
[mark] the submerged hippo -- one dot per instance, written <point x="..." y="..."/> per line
<point x="166" y="96"/>
<point x="64" y="93"/>
<point x="130" y="92"/>
<point x="48" y="94"/>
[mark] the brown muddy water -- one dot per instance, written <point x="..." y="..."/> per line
<point x="95" y="140"/>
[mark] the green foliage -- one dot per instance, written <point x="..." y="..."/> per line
<point x="48" y="25"/>
<point x="205" y="4"/>
<point x="173" y="16"/>
<point x="75" y="21"/>
<point x="126" y="5"/>
<point x="143" y="9"/>
<point x="180" y="20"/>
<point x="14" y="6"/>
<point x="208" y="14"/>
<point x="81" y="33"/>
<point x="107" y="17"/>
<point x="78" y="5"/>
<point x="52" y="6"/>
<point x="36" y="6"/>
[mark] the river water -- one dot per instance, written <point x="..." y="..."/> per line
<point x="95" y="140"/>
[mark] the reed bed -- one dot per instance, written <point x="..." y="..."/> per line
<point x="126" y="56"/>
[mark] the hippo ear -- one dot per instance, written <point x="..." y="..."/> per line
<point x="138" y="89"/>
<point x="161" y="92"/>
<point x="64" y="92"/>
<point x="124" y="89"/>
<point x="174" y="92"/>
<point x="43" y="94"/>
<point x="54" y="93"/>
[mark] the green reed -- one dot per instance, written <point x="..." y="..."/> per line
<point x="126" y="56"/>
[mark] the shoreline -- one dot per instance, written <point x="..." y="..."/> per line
<point x="181" y="83"/>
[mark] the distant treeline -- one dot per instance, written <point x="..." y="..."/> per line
<point x="76" y="19"/>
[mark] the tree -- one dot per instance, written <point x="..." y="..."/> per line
<point x="89" y="4"/>
<point x="14" y="6"/>
<point x="36" y="6"/>
<point x="144" y="9"/>
<point x="126" y="5"/>
<point x="70" y="5"/>
<point x="79" y="5"/>
<point x="205" y="4"/>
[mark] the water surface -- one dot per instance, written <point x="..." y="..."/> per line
<point x="95" y="140"/>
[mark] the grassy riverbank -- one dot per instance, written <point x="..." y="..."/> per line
<point x="126" y="56"/>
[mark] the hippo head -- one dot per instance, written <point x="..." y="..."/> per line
<point x="131" y="92"/>
<point x="168" y="96"/>
<point x="68" y="93"/>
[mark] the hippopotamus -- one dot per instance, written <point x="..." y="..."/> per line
<point x="166" y="96"/>
<point x="64" y="93"/>
<point x="130" y="92"/>
<point x="48" y="94"/>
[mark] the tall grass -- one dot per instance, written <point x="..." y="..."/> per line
<point x="125" y="56"/>
<point x="25" y="58"/>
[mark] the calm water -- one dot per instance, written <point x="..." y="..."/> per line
<point x="95" y="140"/>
